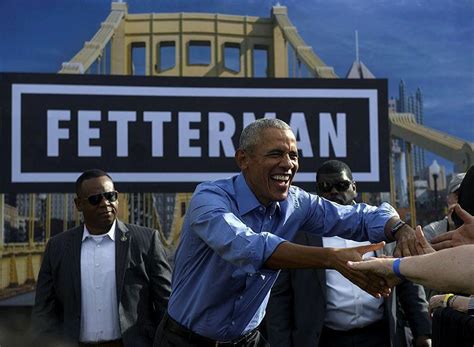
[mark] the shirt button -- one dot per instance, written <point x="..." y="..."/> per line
<point x="233" y="323"/>
<point x="241" y="297"/>
<point x="98" y="245"/>
<point x="97" y="265"/>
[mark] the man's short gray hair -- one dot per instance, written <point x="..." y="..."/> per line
<point x="252" y="132"/>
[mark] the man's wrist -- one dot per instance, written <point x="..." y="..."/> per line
<point x="396" y="228"/>
<point x="447" y="299"/>
<point x="393" y="227"/>
<point x="396" y="268"/>
<point x="331" y="259"/>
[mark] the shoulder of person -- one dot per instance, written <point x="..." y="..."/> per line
<point x="65" y="235"/>
<point x="135" y="228"/>
<point x="222" y="186"/>
<point x="60" y="244"/>
<point x="298" y="192"/>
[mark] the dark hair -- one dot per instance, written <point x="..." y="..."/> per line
<point x="88" y="174"/>
<point x="333" y="167"/>
<point x="465" y="196"/>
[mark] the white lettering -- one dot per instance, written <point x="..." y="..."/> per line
<point x="221" y="131"/>
<point x="300" y="129"/>
<point x="224" y="136"/>
<point x="157" y="119"/>
<point x="122" y="118"/>
<point x="54" y="133"/>
<point x="85" y="133"/>
<point x="186" y="134"/>
<point x="327" y="131"/>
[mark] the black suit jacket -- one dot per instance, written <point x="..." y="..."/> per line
<point x="142" y="284"/>
<point x="297" y="307"/>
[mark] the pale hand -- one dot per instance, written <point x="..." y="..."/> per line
<point x="372" y="283"/>
<point x="381" y="267"/>
<point x="436" y="301"/>
<point x="461" y="236"/>
<point x="422" y="244"/>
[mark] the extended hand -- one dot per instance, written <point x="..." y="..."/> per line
<point x="461" y="236"/>
<point x="381" y="267"/>
<point x="422" y="244"/>
<point x="371" y="282"/>
<point x="406" y="242"/>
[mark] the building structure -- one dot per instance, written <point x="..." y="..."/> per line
<point x="413" y="104"/>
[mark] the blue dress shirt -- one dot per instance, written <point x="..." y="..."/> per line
<point x="219" y="286"/>
<point x="99" y="310"/>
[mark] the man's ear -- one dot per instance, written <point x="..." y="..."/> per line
<point x="78" y="204"/>
<point x="354" y="186"/>
<point x="241" y="157"/>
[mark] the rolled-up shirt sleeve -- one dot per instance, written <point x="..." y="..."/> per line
<point x="359" y="222"/>
<point x="214" y="219"/>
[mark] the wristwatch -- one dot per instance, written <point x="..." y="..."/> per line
<point x="398" y="225"/>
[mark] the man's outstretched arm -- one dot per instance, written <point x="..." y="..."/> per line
<point x="290" y="255"/>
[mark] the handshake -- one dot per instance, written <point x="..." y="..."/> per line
<point x="423" y="264"/>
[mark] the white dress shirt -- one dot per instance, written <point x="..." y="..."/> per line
<point x="348" y="306"/>
<point x="99" y="309"/>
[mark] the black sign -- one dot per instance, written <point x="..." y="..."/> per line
<point x="169" y="134"/>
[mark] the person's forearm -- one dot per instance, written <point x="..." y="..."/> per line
<point x="446" y="270"/>
<point x="291" y="256"/>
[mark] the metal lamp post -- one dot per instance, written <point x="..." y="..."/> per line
<point x="435" y="172"/>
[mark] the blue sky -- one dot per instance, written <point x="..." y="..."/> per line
<point x="428" y="43"/>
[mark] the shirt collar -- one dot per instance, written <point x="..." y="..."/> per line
<point x="246" y="199"/>
<point x="110" y="233"/>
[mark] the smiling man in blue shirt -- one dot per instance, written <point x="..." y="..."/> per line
<point x="234" y="241"/>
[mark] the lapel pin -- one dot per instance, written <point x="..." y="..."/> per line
<point x="123" y="238"/>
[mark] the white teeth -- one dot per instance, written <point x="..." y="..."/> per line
<point x="281" y="177"/>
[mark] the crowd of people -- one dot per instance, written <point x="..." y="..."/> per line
<point x="260" y="262"/>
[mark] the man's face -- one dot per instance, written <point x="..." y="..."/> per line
<point x="337" y="187"/>
<point x="270" y="167"/>
<point x="99" y="217"/>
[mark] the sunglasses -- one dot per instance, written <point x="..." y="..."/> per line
<point x="96" y="199"/>
<point x="341" y="186"/>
